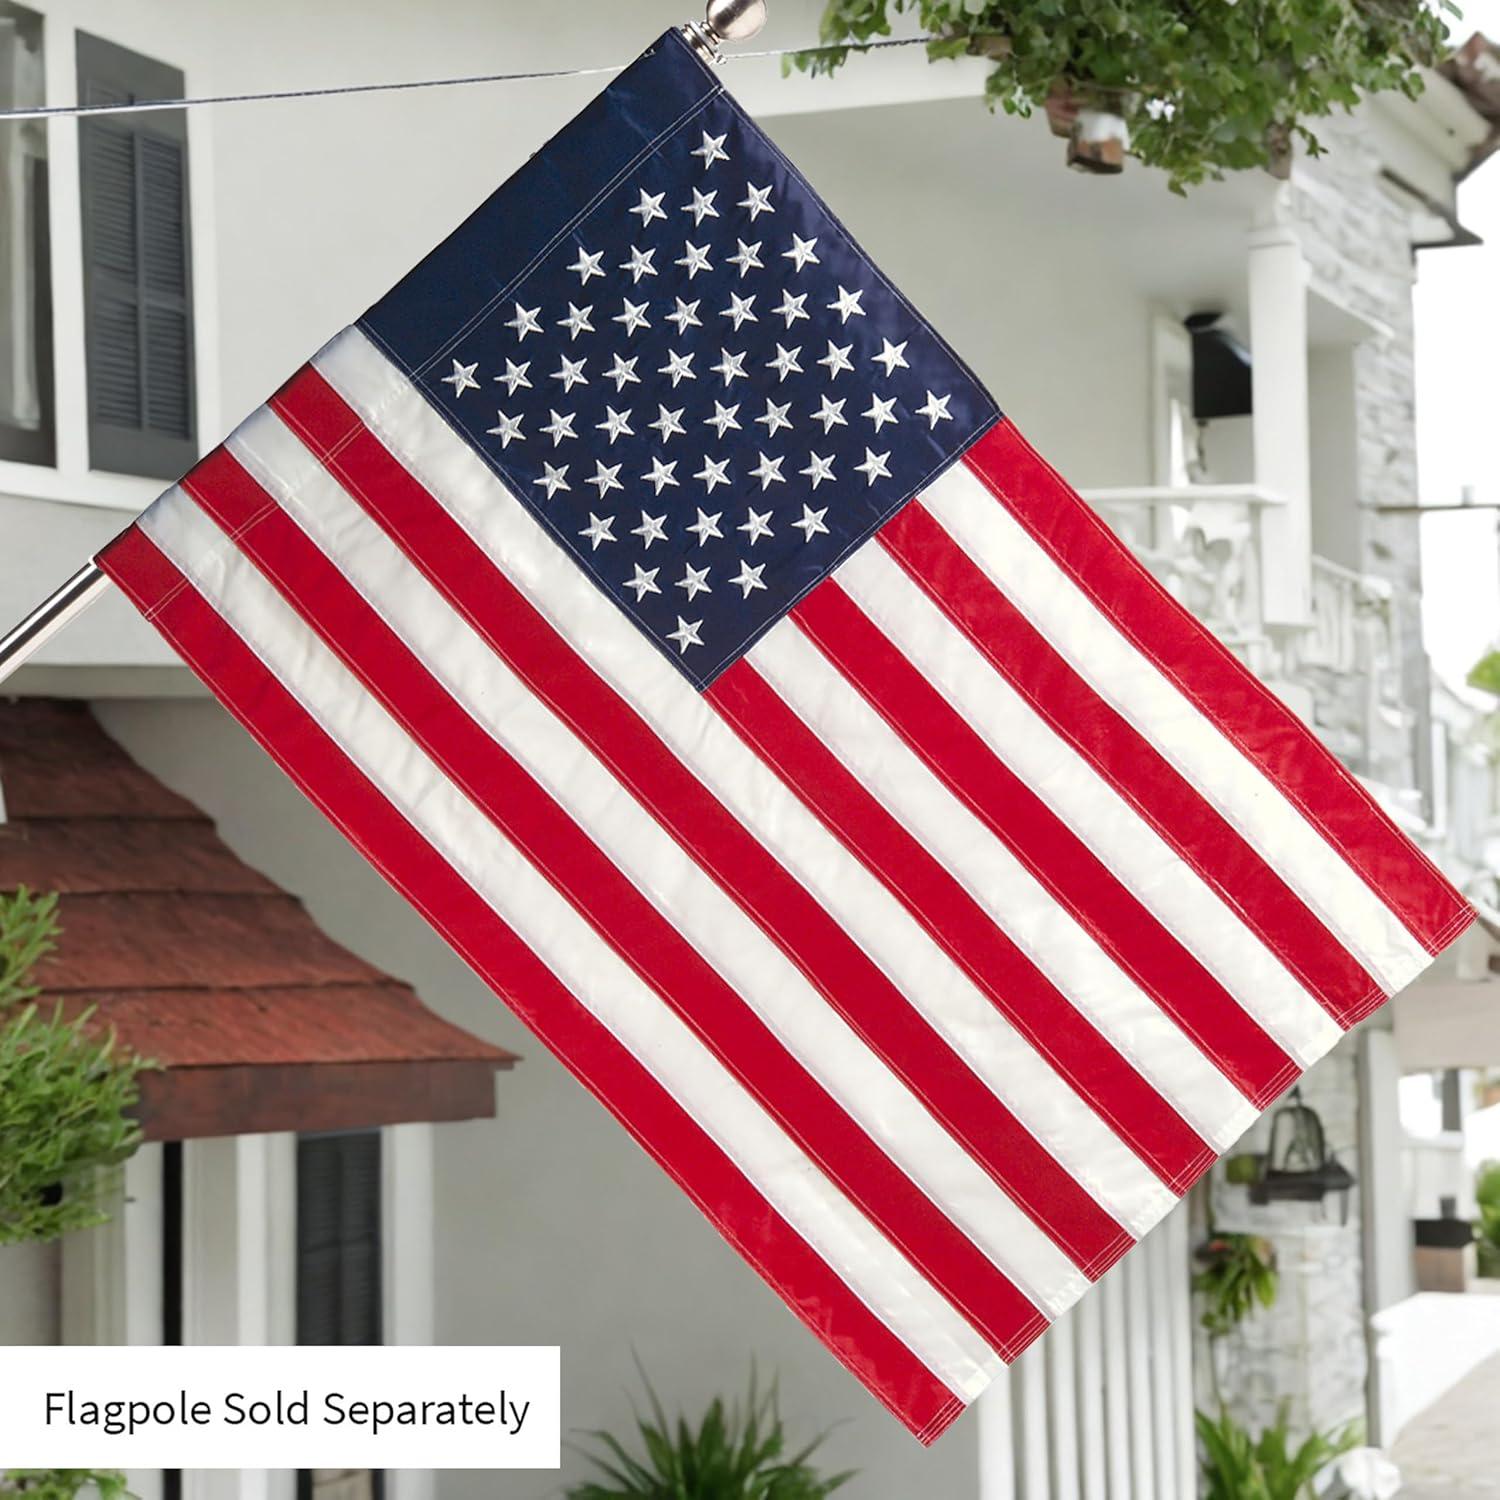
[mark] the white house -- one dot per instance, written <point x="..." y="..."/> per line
<point x="261" y="229"/>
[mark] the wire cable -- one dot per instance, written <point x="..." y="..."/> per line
<point x="146" y="106"/>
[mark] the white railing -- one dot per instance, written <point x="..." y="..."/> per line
<point x="1202" y="543"/>
<point x="1101" y="1406"/>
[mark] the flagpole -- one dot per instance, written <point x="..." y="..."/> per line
<point x="723" y="21"/>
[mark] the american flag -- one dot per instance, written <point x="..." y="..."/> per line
<point x="651" y="594"/>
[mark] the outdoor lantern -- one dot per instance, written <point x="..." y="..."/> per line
<point x="1221" y="369"/>
<point x="1298" y="1166"/>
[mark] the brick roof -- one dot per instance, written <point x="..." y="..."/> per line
<point x="260" y="1021"/>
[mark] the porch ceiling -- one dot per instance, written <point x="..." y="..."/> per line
<point x="258" y="1020"/>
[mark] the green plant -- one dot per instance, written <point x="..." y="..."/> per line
<point x="1239" y="1273"/>
<point x="1487" y="1229"/>
<point x="62" y="1484"/>
<point x="1236" y="1466"/>
<point x="65" y="1094"/>
<point x="1205" y="86"/>
<point x="735" y="1453"/>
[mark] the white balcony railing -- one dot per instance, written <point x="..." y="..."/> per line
<point x="1202" y="542"/>
<point x="1345" y="668"/>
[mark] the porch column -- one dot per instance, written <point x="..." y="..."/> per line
<point x="1278" y="351"/>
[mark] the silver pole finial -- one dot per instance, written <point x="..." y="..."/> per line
<point x="725" y="21"/>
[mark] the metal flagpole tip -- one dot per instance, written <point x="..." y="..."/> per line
<point x="735" y="20"/>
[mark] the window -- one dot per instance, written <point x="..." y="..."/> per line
<point x="136" y="266"/>
<point x="339" y="1270"/>
<point x="25" y="248"/>
<point x="338" y="1238"/>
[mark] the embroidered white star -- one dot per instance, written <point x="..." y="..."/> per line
<point x="577" y="321"/>
<point x="846" y="304"/>
<point x="757" y="524"/>
<point x="723" y="419"/>
<point x="749" y="578"/>
<point x="702" y="206"/>
<point x="811" y="523"/>
<point x="936" y="409"/>
<point x="525" y="321"/>
<point x="706" y="526"/>
<point x="660" y="474"/>
<point x="837" y="359"/>
<point x="651" y="529"/>
<point x="775" y="417"/>
<point x="879" y="412"/>
<point x="686" y="634"/>
<point x="875" y="466"/>
<point x="606" y="478"/>
<point x="649" y="207"/>
<point x="791" y="307"/>
<point x="644" y="582"/>
<point x="747" y="257"/>
<point x="818" y="469"/>
<point x="633" y="317"/>
<point x="785" y="363"/>
<point x="639" y="264"/>
<point x="729" y="366"/>
<point x="694" y="259"/>
<point x="667" y="422"/>
<point x="587" y="265"/>
<point x="715" y="471"/>
<point x="740" y="309"/>
<point x="560" y="426"/>
<point x="712" y="149"/>
<point x="623" y="373"/>
<point x="892" y="356"/>
<point x="768" y="471"/>
<point x="571" y="373"/>
<point x="507" y="429"/>
<point x="695" y="581"/>
<point x="801" y="253"/>
<point x="515" y="376"/>
<point x="830" y="414"/>
<point x="598" y="530"/>
<point x="686" y="315"/>
<point x="462" y="378"/>
<point x="757" y="200"/>
<point x="615" y="424"/>
<point x="553" y="478"/>
<point x="678" y="366"/>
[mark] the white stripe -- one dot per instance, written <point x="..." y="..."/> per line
<point x="1132" y="684"/>
<point x="1190" y="909"/>
<point x="1067" y="1126"/>
<point x="1013" y="898"/>
<point x="681" y="891"/>
<point x="601" y="980"/>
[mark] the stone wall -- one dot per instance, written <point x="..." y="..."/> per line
<point x="1308" y="1350"/>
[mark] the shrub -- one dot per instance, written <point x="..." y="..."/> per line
<point x="65" y="1094"/>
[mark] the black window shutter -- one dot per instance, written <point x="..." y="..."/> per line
<point x="339" y="1275"/>
<point x="137" y="267"/>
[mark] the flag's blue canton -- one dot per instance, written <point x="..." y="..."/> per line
<point x="707" y="393"/>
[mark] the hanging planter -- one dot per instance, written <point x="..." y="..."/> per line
<point x="1195" y="90"/>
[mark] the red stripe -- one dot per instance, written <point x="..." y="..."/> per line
<point x="1098" y="1073"/>
<point x="1241" y="706"/>
<point x="1131" y="764"/>
<point x="779" y="904"/>
<point x="804" y="1281"/>
<point x="1079" y="880"/>
<point x="532" y="820"/>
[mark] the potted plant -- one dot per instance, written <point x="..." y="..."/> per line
<point x="737" y="1451"/>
